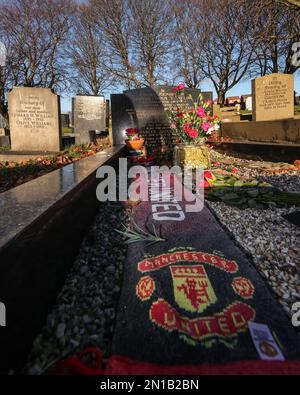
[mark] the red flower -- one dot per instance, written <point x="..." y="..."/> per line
<point x="178" y="88"/>
<point x="180" y="114"/>
<point x="216" y="164"/>
<point x="201" y="112"/>
<point x="208" y="175"/>
<point x="206" y="126"/>
<point x="193" y="133"/>
<point x="297" y="162"/>
<point x="234" y="170"/>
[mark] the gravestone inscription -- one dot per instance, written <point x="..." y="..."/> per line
<point x="34" y="115"/>
<point x="89" y="115"/>
<point x="146" y="109"/>
<point x="273" y="97"/>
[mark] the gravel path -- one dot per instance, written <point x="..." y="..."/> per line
<point x="85" y="311"/>
<point x="273" y="242"/>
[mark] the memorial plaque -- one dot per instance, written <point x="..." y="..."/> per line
<point x="273" y="97"/>
<point x="89" y="115"/>
<point x="34" y="119"/>
<point x="146" y="109"/>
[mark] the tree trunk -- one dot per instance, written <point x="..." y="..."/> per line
<point x="221" y="97"/>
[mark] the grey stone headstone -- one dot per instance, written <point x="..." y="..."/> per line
<point x="145" y="109"/>
<point x="34" y="119"/>
<point x="273" y="97"/>
<point x="89" y="114"/>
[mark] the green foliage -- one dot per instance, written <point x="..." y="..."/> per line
<point x="249" y="194"/>
<point x="137" y="234"/>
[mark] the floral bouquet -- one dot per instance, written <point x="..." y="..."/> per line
<point x="133" y="134"/>
<point x="192" y="125"/>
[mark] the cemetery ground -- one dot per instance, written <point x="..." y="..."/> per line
<point x="210" y="291"/>
<point x="87" y="307"/>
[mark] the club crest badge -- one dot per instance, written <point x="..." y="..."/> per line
<point x="192" y="288"/>
<point x="194" y="293"/>
<point x="145" y="288"/>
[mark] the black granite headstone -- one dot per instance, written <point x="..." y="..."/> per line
<point x="65" y="120"/>
<point x="89" y="114"/>
<point x="146" y="109"/>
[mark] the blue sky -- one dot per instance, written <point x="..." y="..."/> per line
<point x="238" y="90"/>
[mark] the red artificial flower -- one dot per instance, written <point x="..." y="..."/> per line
<point x="193" y="133"/>
<point x="206" y="126"/>
<point x="178" y="88"/>
<point x="208" y="175"/>
<point x="201" y="112"/>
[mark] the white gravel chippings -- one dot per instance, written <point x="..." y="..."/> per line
<point x="84" y="314"/>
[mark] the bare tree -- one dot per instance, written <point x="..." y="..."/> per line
<point x="137" y="36"/>
<point x="88" y="57"/>
<point x="189" y="36"/>
<point x="35" y="34"/>
<point x="151" y="39"/>
<point x="113" y="18"/>
<point x="228" y="45"/>
<point x="278" y="28"/>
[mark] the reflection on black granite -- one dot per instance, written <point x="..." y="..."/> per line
<point x="20" y="206"/>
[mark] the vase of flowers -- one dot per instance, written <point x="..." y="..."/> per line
<point x="192" y="127"/>
<point x="134" y="139"/>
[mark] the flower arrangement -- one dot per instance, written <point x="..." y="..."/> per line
<point x="133" y="134"/>
<point x="192" y="126"/>
<point x="134" y="141"/>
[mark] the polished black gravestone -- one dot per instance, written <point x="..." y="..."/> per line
<point x="188" y="300"/>
<point x="89" y="115"/>
<point x="146" y="108"/>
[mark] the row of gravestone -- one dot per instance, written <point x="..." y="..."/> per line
<point x="35" y="121"/>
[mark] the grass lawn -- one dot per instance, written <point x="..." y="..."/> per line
<point x="67" y="130"/>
